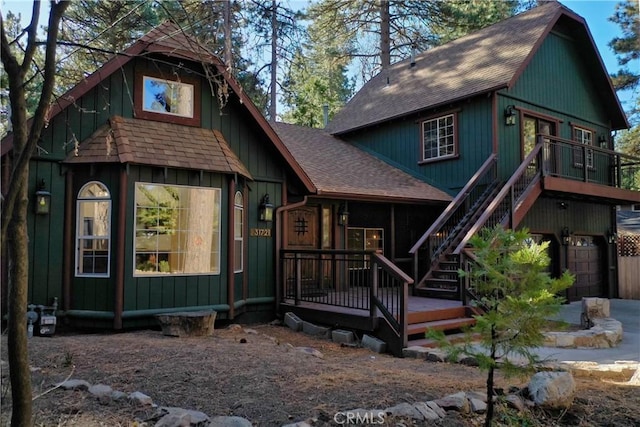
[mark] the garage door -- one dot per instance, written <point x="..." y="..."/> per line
<point x="585" y="262"/>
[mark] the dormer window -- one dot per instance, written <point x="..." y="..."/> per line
<point x="167" y="97"/>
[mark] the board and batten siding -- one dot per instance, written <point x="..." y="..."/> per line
<point x="115" y="96"/>
<point x="399" y="143"/>
<point x="556" y="84"/>
<point x="580" y="217"/>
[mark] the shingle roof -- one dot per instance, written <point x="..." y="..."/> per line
<point x="340" y="169"/>
<point x="486" y="60"/>
<point x="161" y="144"/>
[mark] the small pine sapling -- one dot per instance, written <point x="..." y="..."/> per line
<point x="515" y="295"/>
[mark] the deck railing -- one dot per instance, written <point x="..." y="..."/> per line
<point x="566" y="159"/>
<point x="361" y="280"/>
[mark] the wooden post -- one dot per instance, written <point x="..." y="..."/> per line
<point x="298" y="279"/>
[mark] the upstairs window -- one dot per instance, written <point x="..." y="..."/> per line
<point x="167" y="97"/>
<point x="93" y="230"/>
<point x="173" y="100"/>
<point x="439" y="138"/>
<point x="582" y="136"/>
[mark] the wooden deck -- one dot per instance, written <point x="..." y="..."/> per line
<point x="415" y="304"/>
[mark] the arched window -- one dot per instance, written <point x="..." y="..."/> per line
<point x="93" y="230"/>
<point x="238" y="232"/>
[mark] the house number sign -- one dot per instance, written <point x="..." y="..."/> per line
<point x="260" y="232"/>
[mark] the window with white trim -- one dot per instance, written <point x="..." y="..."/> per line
<point x="93" y="230"/>
<point x="438" y="137"/>
<point x="583" y="136"/>
<point x="238" y="233"/>
<point x="167" y="97"/>
<point x="177" y="230"/>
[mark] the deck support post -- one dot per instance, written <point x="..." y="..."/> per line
<point x="373" y="290"/>
<point x="298" y="279"/>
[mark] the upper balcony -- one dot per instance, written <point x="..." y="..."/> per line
<point x="574" y="169"/>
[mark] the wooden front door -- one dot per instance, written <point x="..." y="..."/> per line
<point x="584" y="259"/>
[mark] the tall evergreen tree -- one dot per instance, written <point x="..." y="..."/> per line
<point x="318" y="75"/>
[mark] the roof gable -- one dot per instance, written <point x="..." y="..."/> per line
<point x="481" y="62"/>
<point x="169" y="39"/>
<point x="339" y="169"/>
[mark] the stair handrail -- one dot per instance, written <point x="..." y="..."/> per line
<point x="507" y="190"/>
<point x="456" y="205"/>
<point x="397" y="321"/>
<point x="456" y="202"/>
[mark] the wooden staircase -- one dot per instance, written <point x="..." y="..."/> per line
<point x="451" y="321"/>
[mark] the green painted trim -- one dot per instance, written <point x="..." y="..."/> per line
<point x="87" y="314"/>
<point x="132" y="314"/>
<point x="253" y="301"/>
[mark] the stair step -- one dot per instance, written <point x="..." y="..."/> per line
<point x="440" y="325"/>
<point x="452" y="274"/>
<point x="433" y="315"/>
<point x="440" y="280"/>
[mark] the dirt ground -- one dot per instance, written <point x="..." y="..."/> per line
<point x="262" y="376"/>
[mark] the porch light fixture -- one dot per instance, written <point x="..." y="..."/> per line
<point x="265" y="209"/>
<point x="566" y="236"/>
<point x="602" y="141"/>
<point x="611" y="237"/>
<point x="343" y="215"/>
<point x="510" y="115"/>
<point x="43" y="200"/>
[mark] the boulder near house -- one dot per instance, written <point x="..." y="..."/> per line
<point x="170" y="192"/>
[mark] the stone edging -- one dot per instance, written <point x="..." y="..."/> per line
<point x="605" y="333"/>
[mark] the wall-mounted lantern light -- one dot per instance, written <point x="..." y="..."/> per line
<point x="602" y="141"/>
<point x="43" y="199"/>
<point x="510" y="115"/>
<point x="265" y="209"/>
<point x="611" y="237"/>
<point x="566" y="236"/>
<point x="343" y="215"/>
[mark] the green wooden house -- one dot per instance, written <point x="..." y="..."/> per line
<point x="515" y="122"/>
<point x="159" y="179"/>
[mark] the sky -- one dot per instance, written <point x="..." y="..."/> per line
<point x="595" y="12"/>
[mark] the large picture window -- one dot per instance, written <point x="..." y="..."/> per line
<point x="238" y="233"/>
<point x="93" y="230"/>
<point x="438" y="137"/>
<point x="177" y="230"/>
<point x="167" y="97"/>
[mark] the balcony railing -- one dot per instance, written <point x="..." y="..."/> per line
<point x="358" y="280"/>
<point x="567" y="159"/>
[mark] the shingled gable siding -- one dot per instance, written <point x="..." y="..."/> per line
<point x="399" y="141"/>
<point x="253" y="289"/>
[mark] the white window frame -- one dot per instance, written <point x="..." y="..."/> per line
<point x="179" y="251"/>
<point x="83" y="234"/>
<point x="174" y="85"/>
<point x="582" y="139"/>
<point x="238" y="232"/>
<point x="441" y="133"/>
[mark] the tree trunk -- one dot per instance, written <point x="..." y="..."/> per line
<point x="489" y="417"/>
<point x="19" y="372"/>
<point x="228" y="54"/>
<point x="274" y="61"/>
<point x="385" y="35"/>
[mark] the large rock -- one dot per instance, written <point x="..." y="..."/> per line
<point x="596" y="308"/>
<point x="188" y="323"/>
<point x="554" y="390"/>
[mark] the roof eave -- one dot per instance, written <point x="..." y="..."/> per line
<point x="377" y="198"/>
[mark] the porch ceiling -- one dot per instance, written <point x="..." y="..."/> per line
<point x="588" y="190"/>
